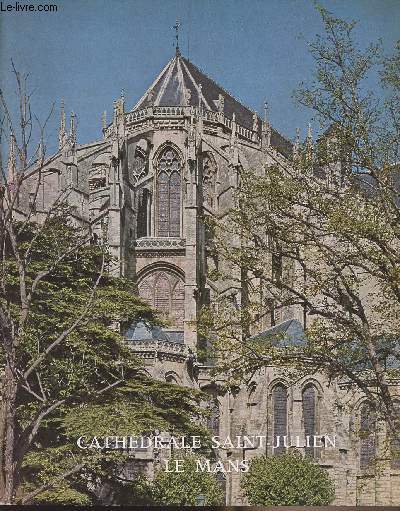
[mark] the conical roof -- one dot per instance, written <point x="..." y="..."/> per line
<point x="181" y="83"/>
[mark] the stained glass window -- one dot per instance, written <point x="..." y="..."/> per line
<point x="367" y="436"/>
<point x="162" y="294"/>
<point x="143" y="213"/>
<point x="395" y="441"/>
<point x="279" y="398"/>
<point x="165" y="291"/>
<point x="178" y="303"/>
<point x="310" y="417"/>
<point x="169" y="194"/>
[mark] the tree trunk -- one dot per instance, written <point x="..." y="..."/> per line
<point x="9" y="387"/>
<point x="8" y="465"/>
<point x="2" y="438"/>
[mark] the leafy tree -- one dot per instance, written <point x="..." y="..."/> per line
<point x="287" y="480"/>
<point x="185" y="488"/>
<point x="67" y="370"/>
<point x="80" y="382"/>
<point x="317" y="236"/>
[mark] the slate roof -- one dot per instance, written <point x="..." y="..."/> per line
<point x="288" y="333"/>
<point x="143" y="331"/>
<point x="179" y="76"/>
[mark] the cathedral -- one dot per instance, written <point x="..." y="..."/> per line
<point x="149" y="181"/>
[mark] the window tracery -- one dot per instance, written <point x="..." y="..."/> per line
<point x="165" y="291"/>
<point x="395" y="441"/>
<point x="169" y="194"/>
<point x="310" y="417"/>
<point x="279" y="399"/>
<point x="98" y="177"/>
<point x="367" y="435"/>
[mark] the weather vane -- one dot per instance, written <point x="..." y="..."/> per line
<point x="176" y="27"/>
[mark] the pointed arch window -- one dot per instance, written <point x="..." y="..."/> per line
<point x="171" y="377"/>
<point x="310" y="417"/>
<point x="279" y="399"/>
<point x="213" y="419"/>
<point x="165" y="291"/>
<point x="367" y="436"/>
<point x="144" y="213"/>
<point x="395" y="441"/>
<point x="162" y="294"/>
<point x="169" y="194"/>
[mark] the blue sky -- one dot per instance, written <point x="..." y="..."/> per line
<point x="90" y="49"/>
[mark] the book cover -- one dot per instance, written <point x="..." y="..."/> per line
<point x="200" y="269"/>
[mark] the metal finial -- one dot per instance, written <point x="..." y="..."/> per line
<point x="176" y="27"/>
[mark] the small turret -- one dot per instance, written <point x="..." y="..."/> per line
<point x="104" y="121"/>
<point x="72" y="131"/>
<point x="119" y="107"/>
<point x="266" y="129"/>
<point x="62" y="135"/>
<point x="296" y="145"/>
<point x="255" y="122"/>
<point x="200" y="92"/>
<point x="309" y="142"/>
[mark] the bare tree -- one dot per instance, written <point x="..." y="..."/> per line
<point x="26" y="161"/>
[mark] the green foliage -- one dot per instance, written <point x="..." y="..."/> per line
<point x="287" y="480"/>
<point x="320" y="234"/>
<point x="184" y="488"/>
<point x="90" y="383"/>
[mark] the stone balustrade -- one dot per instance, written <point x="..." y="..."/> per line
<point x="158" y="346"/>
<point x="160" y="243"/>
<point x="174" y="112"/>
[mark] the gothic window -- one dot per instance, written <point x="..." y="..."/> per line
<point x="367" y="436"/>
<point x="279" y="399"/>
<point x="169" y="194"/>
<point x="209" y="181"/>
<point x="310" y="404"/>
<point x="395" y="442"/>
<point x="162" y="295"/>
<point x="144" y="213"/>
<point x="277" y="267"/>
<point x="165" y="291"/>
<point x="97" y="182"/>
<point x="171" y="378"/>
<point x="212" y="406"/>
<point x="178" y="303"/>
<point x="213" y="418"/>
<point x="97" y="178"/>
<point x="145" y="291"/>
